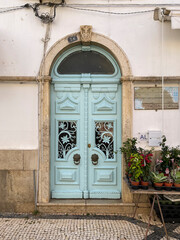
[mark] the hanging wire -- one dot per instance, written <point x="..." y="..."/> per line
<point x="108" y="12"/>
<point x="162" y="69"/>
<point x="36" y="6"/>
<point x="47" y="17"/>
<point x="10" y="9"/>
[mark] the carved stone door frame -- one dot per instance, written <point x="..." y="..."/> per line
<point x="57" y="49"/>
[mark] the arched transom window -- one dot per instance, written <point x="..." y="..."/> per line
<point x="82" y="60"/>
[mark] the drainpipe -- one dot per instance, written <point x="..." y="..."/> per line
<point x="162" y="67"/>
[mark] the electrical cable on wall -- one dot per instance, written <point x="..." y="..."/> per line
<point x="47" y="17"/>
<point x="10" y="9"/>
<point x="162" y="68"/>
<point x="108" y="12"/>
<point x="41" y="74"/>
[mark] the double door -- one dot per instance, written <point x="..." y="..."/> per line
<point x="85" y="140"/>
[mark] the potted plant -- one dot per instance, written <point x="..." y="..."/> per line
<point x="158" y="179"/>
<point x="146" y="165"/>
<point x="168" y="183"/>
<point x="135" y="168"/>
<point x="170" y="157"/>
<point x="127" y="149"/>
<point x="176" y="177"/>
<point x="165" y="163"/>
<point x="175" y="156"/>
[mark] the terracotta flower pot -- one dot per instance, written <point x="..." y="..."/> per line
<point x="158" y="184"/>
<point x="144" y="183"/>
<point x="134" y="183"/>
<point x="168" y="184"/>
<point x="177" y="185"/>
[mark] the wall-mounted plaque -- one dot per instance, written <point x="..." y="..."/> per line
<point x="72" y="38"/>
<point x="150" y="98"/>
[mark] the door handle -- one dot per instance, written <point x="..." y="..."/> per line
<point x="94" y="159"/>
<point x="76" y="159"/>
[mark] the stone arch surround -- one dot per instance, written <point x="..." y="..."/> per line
<point x="97" y="39"/>
<point x="53" y="53"/>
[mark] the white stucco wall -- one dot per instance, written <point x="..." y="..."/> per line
<point x="18" y="116"/>
<point x="21" y="49"/>
<point x="166" y="121"/>
<point x="138" y="35"/>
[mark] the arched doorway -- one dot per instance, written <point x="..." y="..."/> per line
<point x="85" y="124"/>
<point x="59" y="47"/>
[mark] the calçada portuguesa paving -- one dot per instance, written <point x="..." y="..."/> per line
<point x="89" y="227"/>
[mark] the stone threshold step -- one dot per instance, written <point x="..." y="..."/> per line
<point x="84" y="202"/>
<point x="72" y="206"/>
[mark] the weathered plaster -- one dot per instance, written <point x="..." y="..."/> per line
<point x="19" y="115"/>
<point x="44" y="182"/>
<point x="17" y="191"/>
<point x="126" y="129"/>
<point x="11" y="160"/>
<point x="18" y="159"/>
<point x="17" y="180"/>
<point x="30" y="159"/>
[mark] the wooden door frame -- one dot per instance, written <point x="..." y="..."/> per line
<point x="54" y="52"/>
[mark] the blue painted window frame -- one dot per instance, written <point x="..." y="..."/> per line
<point x="105" y="78"/>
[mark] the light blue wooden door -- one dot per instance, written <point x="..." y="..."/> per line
<point x="85" y="125"/>
<point x="66" y="141"/>
<point x="104" y="165"/>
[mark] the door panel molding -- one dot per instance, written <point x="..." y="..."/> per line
<point x="104" y="105"/>
<point x="66" y="175"/>
<point x="105" y="176"/>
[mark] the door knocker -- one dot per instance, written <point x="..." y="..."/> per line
<point x="76" y="158"/>
<point x="94" y="159"/>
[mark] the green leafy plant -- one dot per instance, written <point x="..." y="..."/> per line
<point x="131" y="154"/>
<point x="175" y="155"/>
<point x="158" y="177"/>
<point x="176" y="175"/>
<point x="128" y="148"/>
<point x="165" y="155"/>
<point x="35" y="212"/>
<point x="170" y="157"/>
<point x="146" y="163"/>
<point x="169" y="179"/>
<point x="135" y="167"/>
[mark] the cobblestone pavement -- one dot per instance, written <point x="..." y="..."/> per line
<point x="57" y="227"/>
